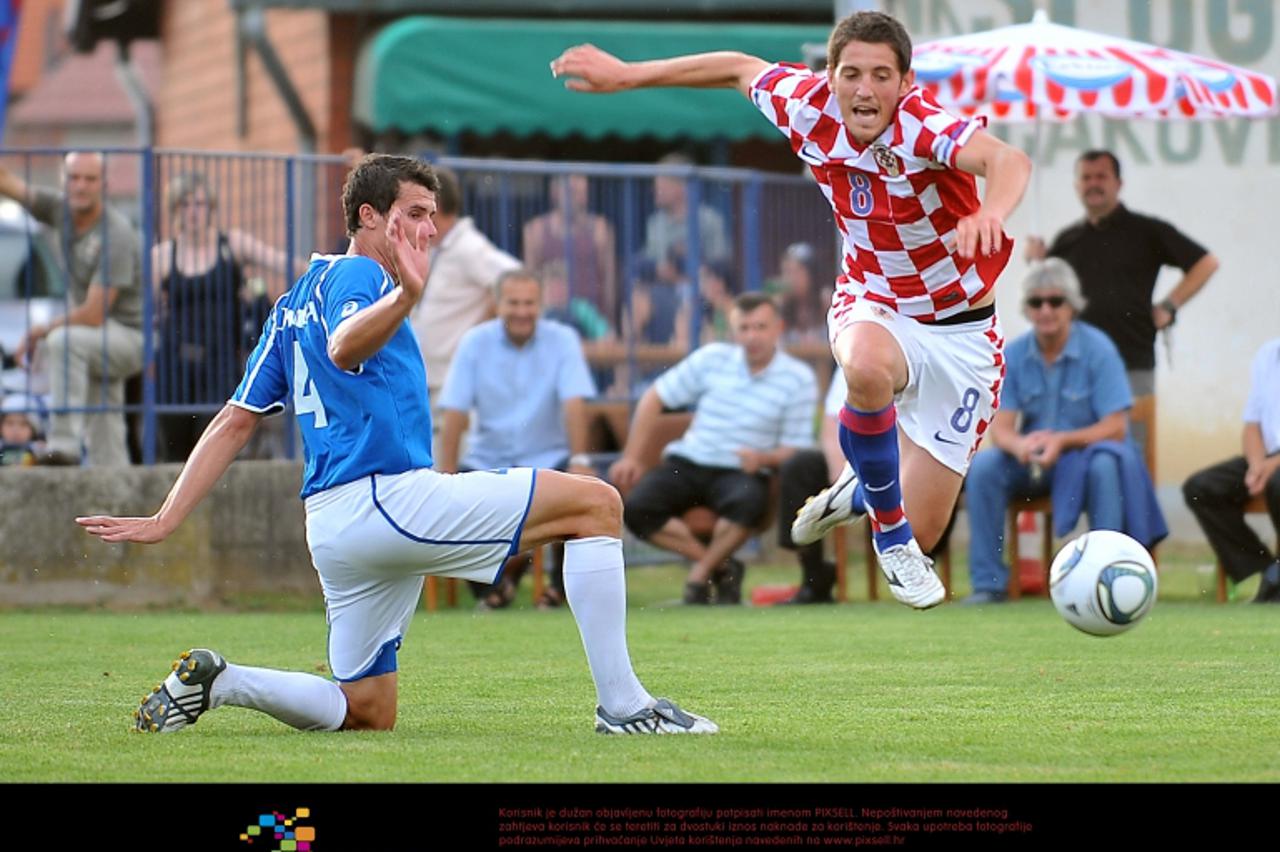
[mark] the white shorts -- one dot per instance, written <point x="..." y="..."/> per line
<point x="954" y="373"/>
<point x="373" y="540"/>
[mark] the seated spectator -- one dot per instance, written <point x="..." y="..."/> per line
<point x="804" y="474"/>
<point x="577" y="313"/>
<point x="1066" y="382"/>
<point x="1217" y="494"/>
<point x="666" y="233"/>
<point x="661" y="281"/>
<point x="716" y="293"/>
<point x="20" y="442"/>
<point x="544" y="424"/>
<point x="97" y="344"/>
<point x="717" y="289"/>
<point x="581" y="243"/>
<point x="209" y="316"/>
<point x="753" y="407"/>
<point x="655" y="307"/>
<point x="803" y="302"/>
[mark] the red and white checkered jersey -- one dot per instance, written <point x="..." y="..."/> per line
<point x="896" y="200"/>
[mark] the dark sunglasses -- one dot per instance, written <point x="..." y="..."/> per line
<point x="1034" y="302"/>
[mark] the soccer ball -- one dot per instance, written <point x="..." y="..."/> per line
<point x="1103" y="582"/>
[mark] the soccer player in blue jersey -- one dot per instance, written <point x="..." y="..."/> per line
<point x="339" y="345"/>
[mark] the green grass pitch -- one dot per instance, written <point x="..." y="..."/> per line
<point x="863" y="692"/>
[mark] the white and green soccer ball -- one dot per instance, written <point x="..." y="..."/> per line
<point x="1103" y="582"/>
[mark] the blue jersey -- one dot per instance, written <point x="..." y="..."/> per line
<point x="373" y="419"/>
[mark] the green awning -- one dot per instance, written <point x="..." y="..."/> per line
<point x="448" y="75"/>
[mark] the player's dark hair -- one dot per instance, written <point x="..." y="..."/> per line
<point x="872" y="28"/>
<point x="752" y="299"/>
<point x="376" y="181"/>
<point x="1100" y="154"/>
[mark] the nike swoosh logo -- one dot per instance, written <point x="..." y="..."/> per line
<point x="811" y="152"/>
<point x="893" y="580"/>
<point x="937" y="436"/>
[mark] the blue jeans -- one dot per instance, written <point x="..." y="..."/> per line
<point x="995" y="477"/>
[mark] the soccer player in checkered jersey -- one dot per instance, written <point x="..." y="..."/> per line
<point x="912" y="322"/>
<point x="339" y="345"/>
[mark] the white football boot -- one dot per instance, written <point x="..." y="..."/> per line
<point x="828" y="509"/>
<point x="911" y="576"/>
<point x="662" y="718"/>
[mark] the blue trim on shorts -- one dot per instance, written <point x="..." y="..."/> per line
<point x="328" y="638"/>
<point x="373" y="480"/>
<point x="515" y="540"/>
<point x="383" y="663"/>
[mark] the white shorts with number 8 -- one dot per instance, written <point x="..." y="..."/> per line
<point x="954" y="373"/>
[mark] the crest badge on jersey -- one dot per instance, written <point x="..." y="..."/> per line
<point x="886" y="159"/>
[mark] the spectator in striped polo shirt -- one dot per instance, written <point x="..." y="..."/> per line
<point x="753" y="408"/>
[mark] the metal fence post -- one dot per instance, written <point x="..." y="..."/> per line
<point x="148" y="199"/>
<point x="290" y="246"/>
<point x="752" y="193"/>
<point x="693" y="258"/>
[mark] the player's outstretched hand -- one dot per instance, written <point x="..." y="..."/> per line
<point x="142" y="530"/>
<point x="980" y="232"/>
<point x="587" y="68"/>
<point x="410" y="247"/>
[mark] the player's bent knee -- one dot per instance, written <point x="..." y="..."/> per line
<point x="604" y="513"/>
<point x="370" y="717"/>
<point x="868" y="374"/>
<point x="371" y="703"/>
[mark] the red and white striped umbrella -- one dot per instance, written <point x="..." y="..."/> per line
<point x="1045" y="70"/>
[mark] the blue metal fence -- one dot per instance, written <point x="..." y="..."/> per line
<point x="222" y="234"/>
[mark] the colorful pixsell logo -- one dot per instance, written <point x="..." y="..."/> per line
<point x="279" y="833"/>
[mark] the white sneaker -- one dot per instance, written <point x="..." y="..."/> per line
<point x="664" y="717"/>
<point x="828" y="509"/>
<point x="911" y="576"/>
